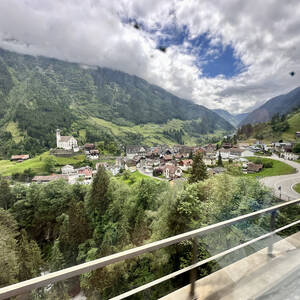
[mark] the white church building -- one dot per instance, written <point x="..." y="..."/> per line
<point x="66" y="142"/>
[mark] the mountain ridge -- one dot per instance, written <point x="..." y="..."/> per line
<point x="281" y="104"/>
<point x="233" y="119"/>
<point x="40" y="94"/>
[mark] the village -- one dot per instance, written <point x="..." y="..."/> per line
<point x="162" y="162"/>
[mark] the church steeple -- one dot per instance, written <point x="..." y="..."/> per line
<point x="57" y="137"/>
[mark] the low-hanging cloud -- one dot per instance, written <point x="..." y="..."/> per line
<point x="264" y="35"/>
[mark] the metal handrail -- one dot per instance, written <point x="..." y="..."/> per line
<point x="44" y="280"/>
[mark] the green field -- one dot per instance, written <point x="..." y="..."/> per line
<point x="278" y="168"/>
<point x="8" y="167"/>
<point x="294" y="122"/>
<point x="134" y="177"/>
<point x="296" y="187"/>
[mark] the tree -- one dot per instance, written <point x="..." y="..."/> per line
<point x="5" y="194"/>
<point x="30" y="257"/>
<point x="220" y="163"/>
<point x="296" y="148"/>
<point x="49" y="164"/>
<point x="199" y="171"/>
<point x="9" y="261"/>
<point x="97" y="200"/>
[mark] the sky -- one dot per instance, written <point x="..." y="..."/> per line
<point x="231" y="54"/>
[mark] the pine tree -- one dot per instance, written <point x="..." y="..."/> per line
<point x="5" y="194"/>
<point x="220" y="163"/>
<point x="199" y="170"/>
<point x="29" y="256"/>
<point x="98" y="200"/>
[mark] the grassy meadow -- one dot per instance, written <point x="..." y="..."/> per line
<point x="8" y="167"/>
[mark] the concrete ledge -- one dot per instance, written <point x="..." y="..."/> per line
<point x="249" y="277"/>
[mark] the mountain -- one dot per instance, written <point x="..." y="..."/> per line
<point x="282" y="104"/>
<point x="240" y="117"/>
<point x="281" y="127"/>
<point x="39" y="95"/>
<point x="234" y="120"/>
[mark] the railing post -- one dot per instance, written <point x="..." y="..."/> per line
<point x="193" y="272"/>
<point x="272" y="227"/>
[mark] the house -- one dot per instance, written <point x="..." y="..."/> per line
<point x="179" y="156"/>
<point x="298" y="134"/>
<point x="243" y="146"/>
<point x="185" y="164"/>
<point x="132" y="151"/>
<point x="89" y="147"/>
<point x="225" y="153"/>
<point x="210" y="149"/>
<point x="171" y="171"/>
<point x="113" y="169"/>
<point x="246" y="153"/>
<point x="236" y="152"/>
<point x="19" y="158"/>
<point x="93" y="154"/>
<point x="86" y="172"/>
<point x="167" y="157"/>
<point x="68" y="169"/>
<point x="66" y="142"/>
<point x="45" y="179"/>
<point x="130" y="165"/>
<point x="254" y="168"/>
<point x="227" y="145"/>
<point x="209" y="160"/>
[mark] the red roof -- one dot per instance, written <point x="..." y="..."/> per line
<point x="167" y="157"/>
<point x="186" y="162"/>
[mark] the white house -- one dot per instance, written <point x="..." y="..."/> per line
<point x="66" y="142"/>
<point x="225" y="153"/>
<point x="246" y="153"/>
<point x="68" y="169"/>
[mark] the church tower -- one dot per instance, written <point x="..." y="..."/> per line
<point x="57" y="138"/>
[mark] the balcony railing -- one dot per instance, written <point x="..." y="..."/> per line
<point x="42" y="281"/>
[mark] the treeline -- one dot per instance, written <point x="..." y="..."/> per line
<point x="276" y="126"/>
<point x="65" y="225"/>
<point x="175" y="135"/>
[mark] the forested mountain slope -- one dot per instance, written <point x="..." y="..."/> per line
<point x="38" y="95"/>
<point x="234" y="120"/>
<point x="281" y="127"/>
<point x="282" y="104"/>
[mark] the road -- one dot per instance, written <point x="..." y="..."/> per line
<point x="285" y="181"/>
<point x="150" y="174"/>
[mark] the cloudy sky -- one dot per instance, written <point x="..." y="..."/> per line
<point x="222" y="54"/>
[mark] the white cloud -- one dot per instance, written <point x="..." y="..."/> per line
<point x="265" y="35"/>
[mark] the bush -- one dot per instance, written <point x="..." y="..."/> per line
<point x="268" y="164"/>
<point x="258" y="161"/>
<point x="157" y="172"/>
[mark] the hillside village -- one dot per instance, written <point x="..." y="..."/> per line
<point x="163" y="162"/>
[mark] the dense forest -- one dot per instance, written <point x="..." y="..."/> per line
<point x="56" y="225"/>
<point x="39" y="95"/>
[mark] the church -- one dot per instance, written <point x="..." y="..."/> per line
<point x="66" y="142"/>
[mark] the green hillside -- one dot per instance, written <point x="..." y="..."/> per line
<point x="36" y="164"/>
<point x="279" y="128"/>
<point x="39" y="95"/>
